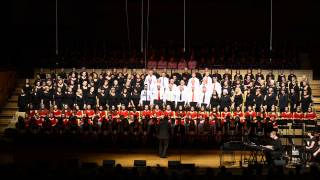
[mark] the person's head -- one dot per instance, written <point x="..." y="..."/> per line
<point x="55" y="107"/>
<point x="156" y="107"/>
<point x="225" y="109"/>
<point x="123" y="107"/>
<point x="146" y="107"/>
<point x="180" y="107"/>
<point x="168" y="107"/>
<point x="202" y="108"/>
<point x="298" y="109"/>
<point x="309" y="109"/>
<point x="259" y="71"/>
<point x="286" y="109"/>
<point x="238" y="108"/>
<point x="163" y="74"/>
<point x="237" y="91"/>
<point x="89" y="107"/>
<point x="91" y="89"/>
<point x="100" y="108"/>
<point x="192" y="108"/>
<point x="214" y="109"/>
<point x="193" y="75"/>
<point x="249" y="108"/>
<point x="214" y="79"/>
<point x="310" y="134"/>
<point x="273" y="108"/>
<point x="273" y="135"/>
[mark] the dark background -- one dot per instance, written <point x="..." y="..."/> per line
<point x="30" y="30"/>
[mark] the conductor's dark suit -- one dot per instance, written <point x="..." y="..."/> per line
<point x="163" y="136"/>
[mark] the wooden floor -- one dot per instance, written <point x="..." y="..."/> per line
<point x="203" y="158"/>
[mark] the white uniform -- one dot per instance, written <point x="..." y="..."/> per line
<point x="164" y="82"/>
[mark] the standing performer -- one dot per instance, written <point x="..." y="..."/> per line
<point x="163" y="136"/>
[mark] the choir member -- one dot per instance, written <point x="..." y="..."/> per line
<point x="145" y="96"/>
<point x="259" y="75"/>
<point x="283" y="100"/>
<point x="181" y="95"/>
<point x="169" y="96"/>
<point x="193" y="98"/>
<point x="193" y="81"/>
<point x="205" y="96"/>
<point x="270" y="99"/>
<point x="23" y="101"/>
<point x="215" y="100"/>
<point x="258" y="100"/>
<point x="163" y="81"/>
<point x="237" y="98"/>
<point x="298" y="116"/>
<point x="306" y="101"/>
<point x="225" y="101"/>
<point x="249" y="99"/>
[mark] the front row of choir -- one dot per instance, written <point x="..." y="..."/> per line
<point x="193" y="122"/>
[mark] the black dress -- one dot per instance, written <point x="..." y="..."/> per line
<point x="22" y="102"/>
<point x="249" y="101"/>
<point x="102" y="99"/>
<point x="293" y="102"/>
<point x="46" y="97"/>
<point x="238" y="100"/>
<point x="125" y="99"/>
<point x="36" y="100"/>
<point x="214" y="101"/>
<point x="258" y="102"/>
<point x="270" y="100"/>
<point x="225" y="102"/>
<point x="283" y="102"/>
<point x="79" y="101"/>
<point x="58" y="99"/>
<point x="305" y="103"/>
<point x="135" y="99"/>
<point x="112" y="100"/>
<point x="91" y="100"/>
<point x="69" y="99"/>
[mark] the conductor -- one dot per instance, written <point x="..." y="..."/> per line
<point x="163" y="136"/>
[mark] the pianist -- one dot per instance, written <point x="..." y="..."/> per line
<point x="273" y="151"/>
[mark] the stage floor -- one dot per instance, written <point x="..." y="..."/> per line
<point x="201" y="158"/>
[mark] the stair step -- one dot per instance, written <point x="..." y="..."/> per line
<point x="13" y="109"/>
<point x="11" y="104"/>
<point x="7" y="112"/>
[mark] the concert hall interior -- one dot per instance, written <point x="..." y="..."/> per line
<point x="165" y="89"/>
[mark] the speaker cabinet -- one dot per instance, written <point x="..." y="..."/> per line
<point x="139" y="163"/>
<point x="109" y="163"/>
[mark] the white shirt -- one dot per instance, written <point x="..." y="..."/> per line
<point x="205" y="98"/>
<point x="145" y="95"/>
<point x="169" y="95"/>
<point x="164" y="81"/>
<point x="193" y="81"/>
<point x="206" y="80"/>
<point x="181" y="96"/>
<point x="216" y="86"/>
<point x="150" y="81"/>
<point x="193" y="96"/>
<point x="155" y="94"/>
